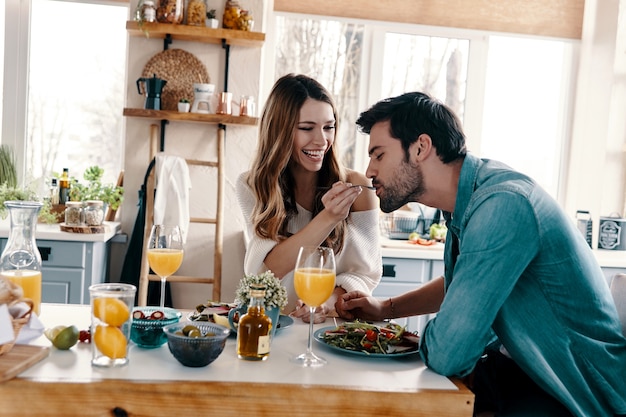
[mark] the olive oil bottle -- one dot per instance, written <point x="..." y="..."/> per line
<point x="253" y="333"/>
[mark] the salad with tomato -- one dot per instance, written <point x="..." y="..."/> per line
<point x="369" y="338"/>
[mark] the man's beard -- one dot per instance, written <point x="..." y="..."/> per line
<point x="407" y="185"/>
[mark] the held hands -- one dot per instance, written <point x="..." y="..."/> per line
<point x="357" y="305"/>
<point x="302" y="311"/>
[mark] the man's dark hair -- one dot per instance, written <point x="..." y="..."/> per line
<point x="412" y="114"/>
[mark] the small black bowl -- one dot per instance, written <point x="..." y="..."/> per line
<point x="196" y="351"/>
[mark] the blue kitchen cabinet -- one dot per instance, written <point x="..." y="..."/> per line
<point x="405" y="274"/>
<point x="69" y="268"/>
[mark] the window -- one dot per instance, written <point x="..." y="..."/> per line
<point x="510" y="92"/>
<point x="74" y="88"/>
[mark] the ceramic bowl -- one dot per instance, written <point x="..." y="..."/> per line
<point x="196" y="351"/>
<point x="147" y="332"/>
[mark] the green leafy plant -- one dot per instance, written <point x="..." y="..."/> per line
<point x="94" y="189"/>
<point x="211" y="14"/>
<point x="9" y="191"/>
<point x="275" y="292"/>
<point x="8" y="171"/>
<point x="183" y="100"/>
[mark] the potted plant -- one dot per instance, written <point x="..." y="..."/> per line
<point x="275" y="292"/>
<point x="211" y="20"/>
<point x="94" y="189"/>
<point x="183" y="105"/>
<point x="275" y="296"/>
<point x="9" y="190"/>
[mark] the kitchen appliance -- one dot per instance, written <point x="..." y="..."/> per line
<point x="153" y="87"/>
<point x="612" y="233"/>
<point x="202" y="94"/>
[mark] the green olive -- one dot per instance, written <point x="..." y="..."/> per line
<point x="188" y="328"/>
<point x="194" y="333"/>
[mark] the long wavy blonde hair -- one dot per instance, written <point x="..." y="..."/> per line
<point x="270" y="179"/>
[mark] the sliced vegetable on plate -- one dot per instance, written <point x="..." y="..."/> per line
<point x="370" y="339"/>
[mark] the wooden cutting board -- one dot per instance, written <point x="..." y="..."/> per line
<point x="20" y="358"/>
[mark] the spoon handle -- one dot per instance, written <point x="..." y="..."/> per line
<point x="369" y="187"/>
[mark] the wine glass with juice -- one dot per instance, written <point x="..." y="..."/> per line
<point x="165" y="253"/>
<point x="314" y="282"/>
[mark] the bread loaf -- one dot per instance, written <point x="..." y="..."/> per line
<point x="9" y="291"/>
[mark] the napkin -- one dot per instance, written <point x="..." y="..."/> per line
<point x="31" y="330"/>
<point x="6" y="326"/>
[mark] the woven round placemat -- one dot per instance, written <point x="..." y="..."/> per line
<point x="181" y="70"/>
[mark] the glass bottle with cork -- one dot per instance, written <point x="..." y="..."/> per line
<point x="253" y="333"/>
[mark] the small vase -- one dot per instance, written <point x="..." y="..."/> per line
<point x="211" y="23"/>
<point x="184" y="107"/>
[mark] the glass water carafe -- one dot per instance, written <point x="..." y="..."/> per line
<point x="20" y="261"/>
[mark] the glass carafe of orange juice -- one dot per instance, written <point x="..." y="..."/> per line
<point x="20" y="261"/>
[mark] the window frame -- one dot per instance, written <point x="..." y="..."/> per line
<point x="17" y="51"/>
<point x="370" y="91"/>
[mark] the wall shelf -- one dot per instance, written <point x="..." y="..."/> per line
<point x="195" y="33"/>
<point x="224" y="119"/>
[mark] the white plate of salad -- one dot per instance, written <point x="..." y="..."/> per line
<point x="376" y="341"/>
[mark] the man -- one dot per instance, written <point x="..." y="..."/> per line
<point x="523" y="306"/>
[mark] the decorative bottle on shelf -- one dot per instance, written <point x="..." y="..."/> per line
<point x="64" y="187"/>
<point x="20" y="261"/>
<point x="54" y="191"/>
<point x="253" y="333"/>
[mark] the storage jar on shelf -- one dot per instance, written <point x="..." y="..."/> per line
<point x="232" y="11"/>
<point x="196" y="12"/>
<point x="74" y="213"/>
<point x="94" y="212"/>
<point x="170" y="11"/>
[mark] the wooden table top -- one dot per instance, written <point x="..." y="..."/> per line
<point x="154" y="383"/>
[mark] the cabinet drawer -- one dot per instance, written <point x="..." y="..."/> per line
<point x="63" y="285"/>
<point x="58" y="253"/>
<point x="405" y="270"/>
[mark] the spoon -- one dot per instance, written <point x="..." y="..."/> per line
<point x="369" y="187"/>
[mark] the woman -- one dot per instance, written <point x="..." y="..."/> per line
<point x="297" y="193"/>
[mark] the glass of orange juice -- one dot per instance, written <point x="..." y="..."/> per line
<point x="165" y="253"/>
<point x="111" y="308"/>
<point x="314" y="282"/>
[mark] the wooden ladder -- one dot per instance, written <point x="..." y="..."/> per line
<point x="216" y="279"/>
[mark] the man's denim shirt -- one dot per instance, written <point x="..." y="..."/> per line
<point x="524" y="272"/>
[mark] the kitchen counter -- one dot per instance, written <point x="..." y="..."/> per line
<point x="71" y="262"/>
<point x="154" y="383"/>
<point x="53" y="232"/>
<point x="404" y="249"/>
